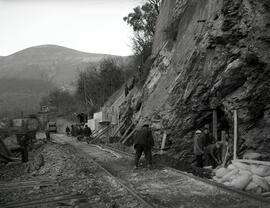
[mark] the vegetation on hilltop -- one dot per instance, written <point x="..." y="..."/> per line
<point x="143" y="21"/>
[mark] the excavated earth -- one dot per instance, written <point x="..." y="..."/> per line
<point x="165" y="160"/>
<point x="162" y="187"/>
<point x="59" y="169"/>
<point x="67" y="168"/>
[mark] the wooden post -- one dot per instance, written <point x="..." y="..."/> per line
<point x="215" y="124"/>
<point x="224" y="151"/>
<point x="163" y="142"/>
<point x="235" y="135"/>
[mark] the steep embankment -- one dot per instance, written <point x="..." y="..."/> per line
<point x="210" y="54"/>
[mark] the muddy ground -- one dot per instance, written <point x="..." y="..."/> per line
<point x="69" y="172"/>
<point x="165" y="160"/>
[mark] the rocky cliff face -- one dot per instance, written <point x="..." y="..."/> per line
<point x="209" y="54"/>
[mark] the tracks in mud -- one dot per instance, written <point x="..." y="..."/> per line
<point x="159" y="187"/>
<point x="61" y="199"/>
<point x="210" y="182"/>
<point x="165" y="187"/>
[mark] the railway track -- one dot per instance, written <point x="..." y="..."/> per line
<point x="61" y="199"/>
<point x="8" y="186"/>
<point x="166" y="187"/>
<point x="213" y="183"/>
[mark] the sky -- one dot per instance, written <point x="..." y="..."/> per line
<point x="94" y="26"/>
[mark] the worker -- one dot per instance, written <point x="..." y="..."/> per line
<point x="198" y="148"/>
<point x="67" y="130"/>
<point x="24" y="142"/>
<point x="87" y="131"/>
<point x="207" y="137"/>
<point x="72" y="130"/>
<point x="47" y="133"/>
<point x="213" y="154"/>
<point x="143" y="143"/>
<point x="80" y="130"/>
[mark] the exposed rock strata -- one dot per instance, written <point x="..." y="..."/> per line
<point x="219" y="60"/>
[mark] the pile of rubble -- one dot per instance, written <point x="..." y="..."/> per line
<point x="249" y="177"/>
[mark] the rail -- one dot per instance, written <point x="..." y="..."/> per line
<point x="45" y="200"/>
<point x="121" y="182"/>
<point x="209" y="182"/>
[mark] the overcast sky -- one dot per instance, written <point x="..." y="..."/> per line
<point x="95" y="26"/>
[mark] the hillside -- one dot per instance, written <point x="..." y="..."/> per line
<point x="209" y="55"/>
<point x="29" y="74"/>
<point x="47" y="62"/>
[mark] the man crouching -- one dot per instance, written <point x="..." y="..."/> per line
<point x="143" y="143"/>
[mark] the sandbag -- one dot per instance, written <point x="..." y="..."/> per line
<point x="240" y="165"/>
<point x="219" y="180"/>
<point x="241" y="181"/>
<point x="251" y="186"/>
<point x="227" y="183"/>
<point x="260" y="170"/>
<point x="267" y="178"/>
<point x="259" y="190"/>
<point x="230" y="175"/>
<point x="231" y="167"/>
<point x="245" y="172"/>
<point x="260" y="181"/>
<point x="251" y="156"/>
<point x="222" y="172"/>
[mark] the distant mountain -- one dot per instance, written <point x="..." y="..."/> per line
<point x="27" y="75"/>
<point x="47" y="62"/>
<point x="17" y="95"/>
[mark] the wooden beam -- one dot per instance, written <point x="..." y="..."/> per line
<point x="215" y="124"/>
<point x="102" y="133"/>
<point x="163" y="142"/>
<point x="126" y="132"/>
<point x="235" y="135"/>
<point x="129" y="136"/>
<point x="117" y="130"/>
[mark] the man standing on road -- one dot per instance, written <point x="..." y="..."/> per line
<point x="143" y="143"/>
<point x="198" y="148"/>
<point x="67" y="130"/>
<point x="47" y="133"/>
<point x="87" y="131"/>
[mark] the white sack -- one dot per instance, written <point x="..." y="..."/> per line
<point x="260" y="181"/>
<point x="240" y="165"/>
<point x="229" y="176"/>
<point x="251" y="186"/>
<point x="231" y="167"/>
<point x="267" y="178"/>
<point x="260" y="170"/>
<point x="222" y="172"/>
<point x="241" y="181"/>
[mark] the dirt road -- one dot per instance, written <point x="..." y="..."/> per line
<point x="58" y="175"/>
<point x="67" y="173"/>
<point x="161" y="187"/>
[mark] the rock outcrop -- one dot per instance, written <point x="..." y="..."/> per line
<point x="210" y="54"/>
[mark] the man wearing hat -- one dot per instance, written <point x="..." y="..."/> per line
<point x="198" y="148"/>
<point x="143" y="143"/>
<point x="213" y="154"/>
